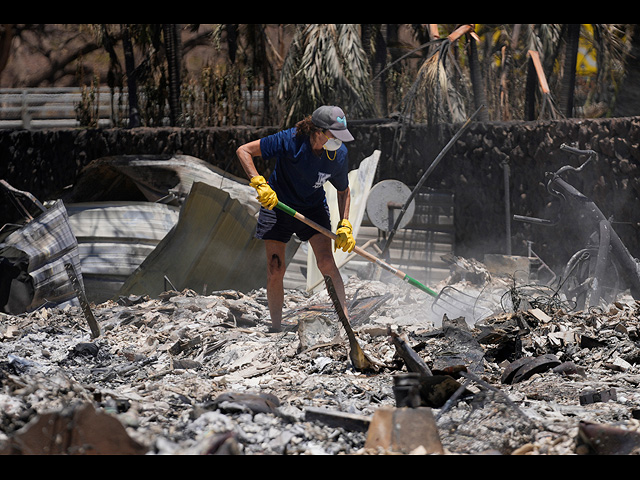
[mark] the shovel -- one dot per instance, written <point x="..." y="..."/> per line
<point x="461" y="306"/>
<point x="359" y="359"/>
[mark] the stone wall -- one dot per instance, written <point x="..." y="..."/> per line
<point x="474" y="171"/>
<point x="46" y="162"/>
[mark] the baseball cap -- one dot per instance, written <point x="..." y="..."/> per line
<point x="333" y="119"/>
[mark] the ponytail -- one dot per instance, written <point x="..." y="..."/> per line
<point x="306" y="127"/>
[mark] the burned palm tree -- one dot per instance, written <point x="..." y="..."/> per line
<point x="541" y="42"/>
<point x="443" y="102"/>
<point x="325" y="64"/>
<point x="173" y="47"/>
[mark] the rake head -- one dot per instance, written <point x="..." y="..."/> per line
<point x="455" y="304"/>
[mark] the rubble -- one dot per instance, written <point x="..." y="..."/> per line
<point x="200" y="374"/>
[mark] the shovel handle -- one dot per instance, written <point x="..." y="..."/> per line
<point x="366" y="255"/>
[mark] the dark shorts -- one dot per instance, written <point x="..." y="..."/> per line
<point x="278" y="225"/>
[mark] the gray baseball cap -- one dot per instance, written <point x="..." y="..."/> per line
<point x="333" y="119"/>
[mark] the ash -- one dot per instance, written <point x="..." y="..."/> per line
<point x="186" y="374"/>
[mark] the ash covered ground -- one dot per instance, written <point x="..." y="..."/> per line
<point x="192" y="374"/>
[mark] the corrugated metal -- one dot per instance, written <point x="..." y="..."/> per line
<point x="155" y="177"/>
<point x="114" y="238"/>
<point x="211" y="248"/>
<point x="49" y="243"/>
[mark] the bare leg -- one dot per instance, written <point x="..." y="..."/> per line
<point x="326" y="264"/>
<point x="275" y="276"/>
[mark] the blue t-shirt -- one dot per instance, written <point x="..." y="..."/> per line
<point x="300" y="174"/>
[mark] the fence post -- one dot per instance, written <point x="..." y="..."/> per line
<point x="24" y="114"/>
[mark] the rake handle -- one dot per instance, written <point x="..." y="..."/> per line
<point x="373" y="259"/>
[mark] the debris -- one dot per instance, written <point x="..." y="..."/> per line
<point x="436" y="390"/>
<point x="211" y="248"/>
<point x="84" y="304"/>
<point x="412" y="360"/>
<point x="526" y="367"/>
<point x="317" y="330"/>
<point x="337" y="419"/>
<point x="433" y="390"/>
<point x="183" y="375"/>
<point x="595" y="397"/>
<point x="466" y="270"/>
<point x="242" y="402"/>
<point x="114" y="238"/>
<point x="16" y="285"/>
<point x="406" y="389"/>
<point x="404" y="430"/>
<point x="48" y="244"/>
<point x="77" y="430"/>
<point x="598" y="439"/>
<point x="569" y="368"/>
<point x="157" y="178"/>
<point x="511" y="266"/>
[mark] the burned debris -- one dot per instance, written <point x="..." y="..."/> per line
<point x="172" y="367"/>
<point x="184" y="377"/>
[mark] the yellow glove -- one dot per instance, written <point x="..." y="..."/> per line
<point x="345" y="240"/>
<point x="266" y="196"/>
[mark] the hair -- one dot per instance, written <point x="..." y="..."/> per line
<point x="306" y="127"/>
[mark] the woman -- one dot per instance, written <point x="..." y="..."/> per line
<point x="307" y="156"/>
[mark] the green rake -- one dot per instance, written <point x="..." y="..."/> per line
<point x="449" y="301"/>
<point x="398" y="273"/>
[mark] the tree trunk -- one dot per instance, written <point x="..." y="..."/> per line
<point x="375" y="49"/>
<point x="6" y="37"/>
<point x="132" y="83"/>
<point x="628" y="101"/>
<point x="477" y="81"/>
<point x="232" y="40"/>
<point x="568" y="85"/>
<point x="172" y="43"/>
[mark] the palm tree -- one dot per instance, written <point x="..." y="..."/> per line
<point x="325" y="64"/>
<point x="628" y="101"/>
<point x="132" y="82"/>
<point x="258" y="43"/>
<point x="443" y="98"/>
<point x="543" y="40"/>
<point x="173" y="46"/>
<point x="477" y="79"/>
<point x="375" y="49"/>
<point x="568" y="84"/>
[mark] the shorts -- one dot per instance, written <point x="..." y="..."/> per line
<point x="280" y="226"/>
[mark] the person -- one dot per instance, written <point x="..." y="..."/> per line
<point x="307" y="156"/>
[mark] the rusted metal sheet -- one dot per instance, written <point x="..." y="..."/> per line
<point x="597" y="439"/>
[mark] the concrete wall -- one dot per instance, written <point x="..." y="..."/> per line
<point x="45" y="162"/>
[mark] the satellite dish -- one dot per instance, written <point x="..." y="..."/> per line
<point x="385" y="202"/>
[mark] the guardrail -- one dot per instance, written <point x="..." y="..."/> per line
<point x="40" y="108"/>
